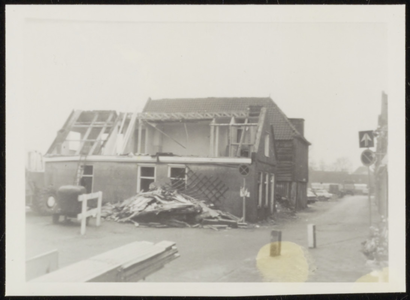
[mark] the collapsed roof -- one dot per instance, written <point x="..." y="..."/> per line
<point x="283" y="128"/>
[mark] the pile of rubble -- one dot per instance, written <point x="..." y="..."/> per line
<point x="165" y="207"/>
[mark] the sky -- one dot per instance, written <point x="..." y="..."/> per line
<point x="331" y="74"/>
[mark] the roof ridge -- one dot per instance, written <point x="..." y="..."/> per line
<point x="201" y="98"/>
<point x="289" y="122"/>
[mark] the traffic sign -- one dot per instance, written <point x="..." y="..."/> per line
<point x="366" y="139"/>
<point x="368" y="157"/>
<point x="244" y="170"/>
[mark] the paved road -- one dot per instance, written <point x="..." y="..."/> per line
<point x="229" y="255"/>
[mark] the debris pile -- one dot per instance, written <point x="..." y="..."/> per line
<point x="166" y="207"/>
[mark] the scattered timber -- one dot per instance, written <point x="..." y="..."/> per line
<point x="166" y="207"/>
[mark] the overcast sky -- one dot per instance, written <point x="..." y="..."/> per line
<point x="330" y="74"/>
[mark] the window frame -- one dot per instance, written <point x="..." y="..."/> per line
<point x="175" y="178"/>
<point x="139" y="177"/>
<point x="89" y="175"/>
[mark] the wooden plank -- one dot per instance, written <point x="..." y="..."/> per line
<point x="230" y="137"/>
<point x="211" y="150"/>
<point x="233" y="224"/>
<point x="97" y="266"/>
<point x="93" y="212"/>
<point x="153" y="268"/>
<point x="41" y="264"/>
<point x="147" y="141"/>
<point x="234" y="125"/>
<point x="93" y="125"/>
<point x="87" y="133"/>
<point x="262" y="117"/>
<point x="128" y="263"/>
<point x="89" y="196"/>
<point x="112" y="126"/>
<point x="243" y="133"/>
<point x="97" y="143"/>
<point x="129" y="131"/>
<point x="139" y="136"/>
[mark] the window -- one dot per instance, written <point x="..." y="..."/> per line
<point x="238" y="135"/>
<point x="178" y="177"/>
<point x="146" y="176"/>
<point x="87" y="178"/>
<point x="267" y="145"/>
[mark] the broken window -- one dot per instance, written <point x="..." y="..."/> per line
<point x="146" y="177"/>
<point x="87" y="178"/>
<point x="178" y="177"/>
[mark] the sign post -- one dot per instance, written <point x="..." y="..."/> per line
<point x="366" y="140"/>
<point x="368" y="158"/>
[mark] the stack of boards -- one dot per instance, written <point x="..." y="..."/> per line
<point x="129" y="263"/>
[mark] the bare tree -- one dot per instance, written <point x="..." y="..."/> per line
<point x="323" y="166"/>
<point x="342" y="164"/>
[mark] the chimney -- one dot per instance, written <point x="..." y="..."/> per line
<point x="299" y="124"/>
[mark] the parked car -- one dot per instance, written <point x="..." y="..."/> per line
<point x="361" y="189"/>
<point x="348" y="188"/>
<point x="323" y="194"/>
<point x="311" y="196"/>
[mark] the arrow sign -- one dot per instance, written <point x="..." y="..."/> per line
<point x="366" y="139"/>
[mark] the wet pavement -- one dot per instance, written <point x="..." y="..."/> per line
<point x="231" y="255"/>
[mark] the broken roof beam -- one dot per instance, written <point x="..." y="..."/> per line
<point x="98" y="141"/>
<point x="262" y="117"/>
<point x="129" y="132"/>
<point x="236" y="124"/>
<point x="65" y="130"/>
<point x="111" y="132"/>
<point x="243" y="133"/>
<point x="156" y="128"/>
<point x="190" y="116"/>
<point x="87" y="133"/>
<point x="92" y="125"/>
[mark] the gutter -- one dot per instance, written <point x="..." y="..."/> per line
<point x="155" y="159"/>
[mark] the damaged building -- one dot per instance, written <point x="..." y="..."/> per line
<point x="193" y="145"/>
